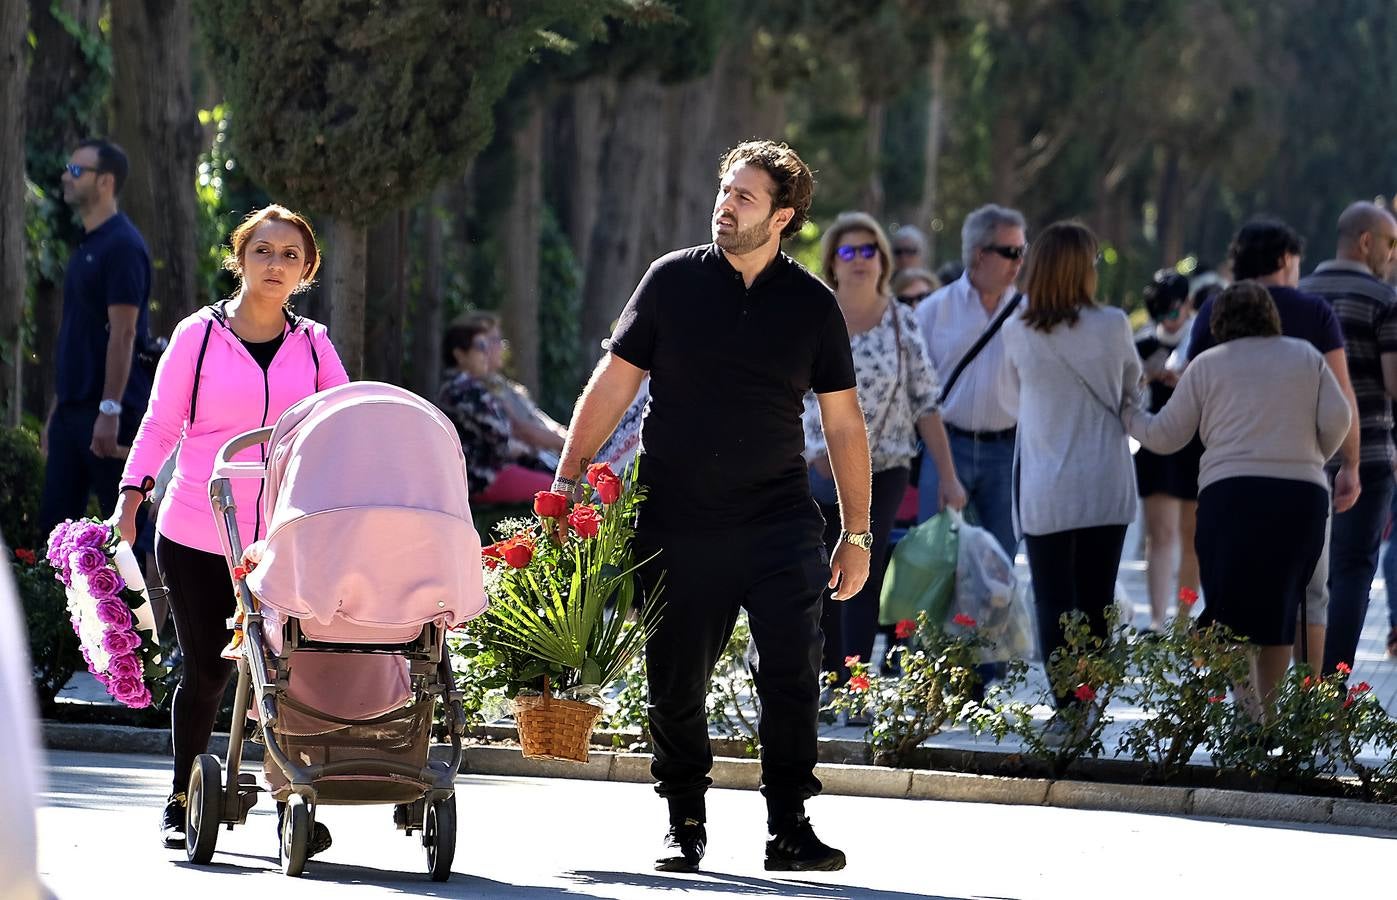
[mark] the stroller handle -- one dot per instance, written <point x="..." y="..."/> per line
<point x="224" y="467"/>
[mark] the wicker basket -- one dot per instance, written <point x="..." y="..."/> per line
<point x="550" y="728"/>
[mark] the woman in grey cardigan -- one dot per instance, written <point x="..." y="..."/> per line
<point x="1270" y="413"/>
<point x="1074" y="493"/>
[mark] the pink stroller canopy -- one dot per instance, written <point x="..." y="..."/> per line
<point x="369" y="524"/>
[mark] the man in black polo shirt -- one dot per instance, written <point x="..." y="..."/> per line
<point x="733" y="334"/>
<point x="101" y="390"/>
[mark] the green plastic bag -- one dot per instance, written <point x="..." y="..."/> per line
<point x="921" y="575"/>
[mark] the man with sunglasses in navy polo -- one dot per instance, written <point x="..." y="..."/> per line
<point x="981" y="409"/>
<point x="101" y="390"/>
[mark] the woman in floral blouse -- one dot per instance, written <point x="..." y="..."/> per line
<point x="897" y="390"/>
<point x="494" y="461"/>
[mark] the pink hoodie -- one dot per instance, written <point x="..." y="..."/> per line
<point x="235" y="395"/>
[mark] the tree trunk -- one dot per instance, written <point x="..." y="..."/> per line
<point x="931" y="154"/>
<point x="380" y="299"/>
<point x="871" y="201"/>
<point x="1170" y="223"/>
<point x="427" y="322"/>
<point x="519" y="257"/>
<point x="591" y="103"/>
<point x="157" y="125"/>
<point x="52" y="128"/>
<point x="614" y="264"/>
<point x="14" y="18"/>
<point x="347" y="265"/>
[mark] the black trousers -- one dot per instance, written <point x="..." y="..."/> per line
<point x="776" y="573"/>
<point x="72" y="474"/>
<point x="1073" y="570"/>
<point x="201" y="602"/>
<point x="851" y="626"/>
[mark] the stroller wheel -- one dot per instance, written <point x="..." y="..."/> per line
<point x="295" y="836"/>
<point x="439" y="837"/>
<point x="204" y="810"/>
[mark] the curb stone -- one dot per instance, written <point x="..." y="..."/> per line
<point x="838" y="778"/>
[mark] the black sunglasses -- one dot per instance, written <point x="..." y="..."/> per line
<point x="1008" y="252"/>
<point x="867" y="251"/>
<point x="76" y="170"/>
<point x="913" y="299"/>
<point x="905" y="251"/>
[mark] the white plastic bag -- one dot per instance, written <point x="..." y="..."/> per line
<point x="988" y="591"/>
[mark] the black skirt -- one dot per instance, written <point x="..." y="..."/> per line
<point x="1173" y="475"/>
<point x="1258" y="541"/>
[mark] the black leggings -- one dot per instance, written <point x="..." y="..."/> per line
<point x="201" y="602"/>
<point x="1073" y="570"/>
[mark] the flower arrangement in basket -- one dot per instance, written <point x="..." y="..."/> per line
<point x="109" y="610"/>
<point x="565" y="617"/>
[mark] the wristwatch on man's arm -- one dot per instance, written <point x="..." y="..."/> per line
<point x="109" y="407"/>
<point x="861" y="539"/>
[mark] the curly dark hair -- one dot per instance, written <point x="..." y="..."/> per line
<point x="1244" y="310"/>
<point x="463" y="332"/>
<point x="1261" y="246"/>
<point x="795" y="185"/>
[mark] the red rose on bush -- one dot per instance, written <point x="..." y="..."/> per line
<point x="550" y="504"/>
<point x="1342" y="668"/>
<point x="905" y="629"/>
<point x="606" y="482"/>
<point x="964" y="621"/>
<point x="26" y="556"/>
<point x="585" y="520"/>
<point x="1187" y="596"/>
<point x="1085" y="693"/>
<point x="518" y="551"/>
<point x="858" y="684"/>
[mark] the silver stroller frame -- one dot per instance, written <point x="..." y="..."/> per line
<point x="423" y="795"/>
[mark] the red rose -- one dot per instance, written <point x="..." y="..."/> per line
<point x="606" y="482"/>
<point x="26" y="556"/>
<point x="1187" y="596"/>
<point x="850" y="662"/>
<point x="585" y="520"/>
<point x="1362" y="687"/>
<point x="1085" y="693"/>
<point x="1217" y="698"/>
<point x="518" y="551"/>
<point x="1342" y="668"/>
<point x="239" y="572"/>
<point x="964" y="621"/>
<point x="905" y="629"/>
<point x="490" y="555"/>
<point x="858" y="684"/>
<point x="550" y="504"/>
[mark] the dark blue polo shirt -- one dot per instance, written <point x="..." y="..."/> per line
<point x="1303" y="316"/>
<point x="109" y="266"/>
<point x="722" y="440"/>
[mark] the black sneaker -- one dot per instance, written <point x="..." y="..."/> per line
<point x="684" y="846"/>
<point x="320" y="840"/>
<point x="795" y="848"/>
<point x="172" y="822"/>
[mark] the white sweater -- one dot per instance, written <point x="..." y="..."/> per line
<point x="1071" y="457"/>
<point x="1265" y="406"/>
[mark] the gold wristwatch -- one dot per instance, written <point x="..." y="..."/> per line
<point x="861" y="539"/>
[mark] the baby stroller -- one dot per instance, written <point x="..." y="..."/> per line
<point x="370" y="556"/>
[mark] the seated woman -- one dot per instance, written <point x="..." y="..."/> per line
<point x="1270" y="413"/>
<point x="496" y="461"/>
<point x="537" y="436"/>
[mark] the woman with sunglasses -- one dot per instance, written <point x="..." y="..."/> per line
<point x="1072" y="363"/>
<point x="912" y="286"/>
<point x="897" y="391"/>
<point x="1165" y="481"/>
<point x="501" y="467"/>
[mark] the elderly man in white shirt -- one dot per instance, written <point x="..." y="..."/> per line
<point x="981" y="410"/>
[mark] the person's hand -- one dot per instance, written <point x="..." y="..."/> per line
<point x="951" y="493"/>
<point x="848" y="570"/>
<point x="104" y="437"/>
<point x="124" y="516"/>
<point x="820" y="464"/>
<point x="1346" y="488"/>
<point x="1168" y="378"/>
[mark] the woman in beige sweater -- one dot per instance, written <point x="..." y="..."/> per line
<point x="1270" y="414"/>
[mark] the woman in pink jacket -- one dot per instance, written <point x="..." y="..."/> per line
<point x="230" y="367"/>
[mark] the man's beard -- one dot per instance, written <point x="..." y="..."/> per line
<point x="744" y="240"/>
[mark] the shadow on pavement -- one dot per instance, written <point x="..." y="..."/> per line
<point x="742" y="884"/>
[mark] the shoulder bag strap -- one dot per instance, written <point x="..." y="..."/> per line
<point x="979" y="345"/>
<point x="877" y="435"/>
<point x="1113" y="412"/>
